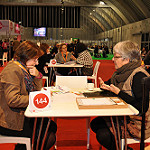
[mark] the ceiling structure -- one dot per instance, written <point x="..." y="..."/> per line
<point x="101" y="15"/>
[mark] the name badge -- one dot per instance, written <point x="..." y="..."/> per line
<point x="39" y="101"/>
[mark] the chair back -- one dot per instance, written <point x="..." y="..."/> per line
<point x="146" y="90"/>
<point x="96" y="68"/>
<point x="72" y="82"/>
<point x="145" y="107"/>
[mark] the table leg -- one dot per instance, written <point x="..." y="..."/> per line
<point x="80" y="71"/>
<point x="88" y="132"/>
<point x="55" y="146"/>
<point x="125" y="132"/>
<point x="34" y="130"/>
<point x="114" y="131"/>
<point x="118" y="132"/>
<point x="39" y="135"/>
<point x="51" y="75"/>
<point x="48" y="124"/>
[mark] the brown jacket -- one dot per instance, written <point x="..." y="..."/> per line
<point x="13" y="96"/>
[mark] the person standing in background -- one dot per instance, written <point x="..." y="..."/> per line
<point x="5" y="50"/>
<point x="15" y="44"/>
<point x="1" y="52"/>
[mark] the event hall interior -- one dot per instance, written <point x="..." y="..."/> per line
<point x="93" y="22"/>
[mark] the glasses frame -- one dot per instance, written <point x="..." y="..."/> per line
<point x="116" y="57"/>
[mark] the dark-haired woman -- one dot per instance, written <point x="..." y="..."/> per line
<point x="84" y="58"/>
<point x="17" y="79"/>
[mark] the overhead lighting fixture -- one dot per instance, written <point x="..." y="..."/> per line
<point x="101" y="3"/>
<point x="62" y="2"/>
<point x="93" y="9"/>
<point x="90" y="13"/>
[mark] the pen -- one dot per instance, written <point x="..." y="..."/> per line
<point x="113" y="101"/>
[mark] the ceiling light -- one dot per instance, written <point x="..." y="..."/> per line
<point x="102" y="3"/>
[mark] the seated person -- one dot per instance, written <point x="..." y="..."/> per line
<point x="147" y="61"/>
<point x="143" y="52"/>
<point x="126" y="84"/>
<point x="84" y="58"/>
<point x="96" y="51"/>
<point x="17" y="79"/>
<point x="54" y="50"/>
<point x="45" y="58"/>
<point x="62" y="57"/>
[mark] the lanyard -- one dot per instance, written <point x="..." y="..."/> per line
<point x="65" y="59"/>
<point x="16" y="62"/>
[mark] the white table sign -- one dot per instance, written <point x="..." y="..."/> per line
<point x="39" y="101"/>
<point x="53" y="61"/>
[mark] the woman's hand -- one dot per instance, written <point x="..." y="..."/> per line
<point x="111" y="88"/>
<point x="73" y="58"/>
<point x="33" y="71"/>
<point x="101" y="81"/>
<point x="114" y="89"/>
<point x="103" y="85"/>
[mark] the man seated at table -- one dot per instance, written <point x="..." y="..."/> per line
<point x="126" y="83"/>
<point x="62" y="57"/>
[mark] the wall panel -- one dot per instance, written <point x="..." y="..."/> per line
<point x="47" y="16"/>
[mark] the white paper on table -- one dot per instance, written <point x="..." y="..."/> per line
<point x="67" y="97"/>
<point x="70" y="63"/>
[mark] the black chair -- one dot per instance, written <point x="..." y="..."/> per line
<point x="145" y="106"/>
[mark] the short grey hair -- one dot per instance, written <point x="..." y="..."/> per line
<point x="128" y="49"/>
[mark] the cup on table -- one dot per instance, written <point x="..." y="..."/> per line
<point x="90" y="86"/>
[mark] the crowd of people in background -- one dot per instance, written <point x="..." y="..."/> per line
<point x="7" y="50"/>
<point x="24" y="73"/>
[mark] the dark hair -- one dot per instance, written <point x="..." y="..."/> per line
<point x="27" y="50"/>
<point x="80" y="47"/>
<point x="44" y="47"/>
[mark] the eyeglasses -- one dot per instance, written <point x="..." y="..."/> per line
<point x="117" y="57"/>
<point x="64" y="47"/>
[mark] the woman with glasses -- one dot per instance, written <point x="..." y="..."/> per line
<point x="17" y="79"/>
<point x="126" y="84"/>
<point x="62" y="57"/>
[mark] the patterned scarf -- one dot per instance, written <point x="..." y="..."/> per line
<point x="122" y="74"/>
<point x="27" y="77"/>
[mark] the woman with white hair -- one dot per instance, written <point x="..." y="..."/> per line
<point x="126" y="84"/>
